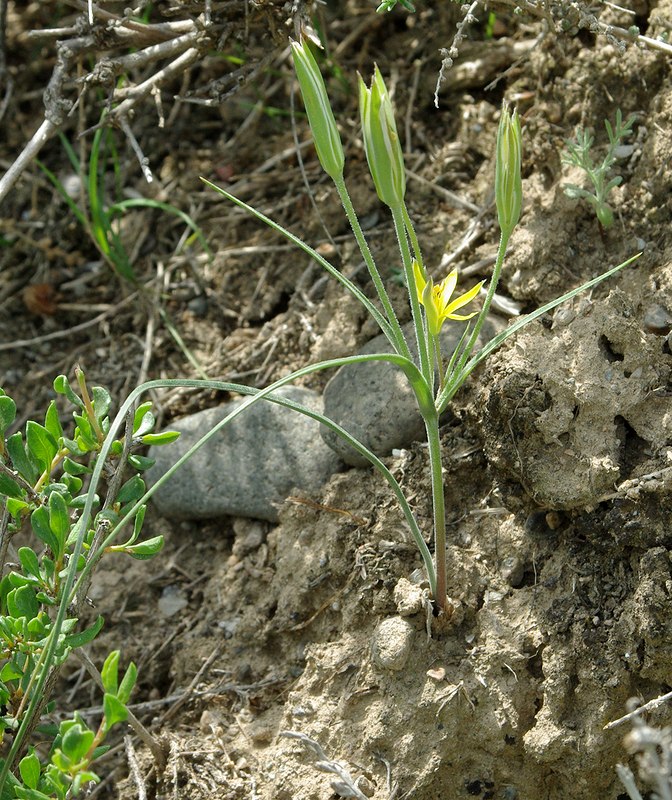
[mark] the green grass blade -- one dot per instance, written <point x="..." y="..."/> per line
<point x="73" y="158"/>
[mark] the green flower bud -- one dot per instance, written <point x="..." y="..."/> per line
<point x="320" y="116"/>
<point x="381" y="142"/>
<point x="508" y="181"/>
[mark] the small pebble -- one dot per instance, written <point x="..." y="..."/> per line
<point x="658" y="320"/>
<point x="409" y="598"/>
<point x="391" y="643"/>
<point x="512" y="570"/>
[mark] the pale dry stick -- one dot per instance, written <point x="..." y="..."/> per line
<point x="142" y="90"/>
<point x="654" y="44"/>
<point x="241" y="690"/>
<point x="134" y="769"/>
<point x="50" y="33"/>
<point x="234" y="80"/>
<point x="27" y="155"/>
<point x="628" y="781"/>
<point x="143" y="161"/>
<point x="149" y="343"/>
<point x="475" y="229"/>
<point x="650" y="706"/>
<point x="55" y="103"/>
<point x="109" y="68"/>
<point x="159" y="30"/>
<point x="477" y="267"/>
<point x="368" y="26"/>
<point x="451" y="53"/>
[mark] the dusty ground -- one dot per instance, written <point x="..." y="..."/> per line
<point x="557" y="456"/>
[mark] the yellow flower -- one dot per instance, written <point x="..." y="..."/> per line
<point x="437" y="299"/>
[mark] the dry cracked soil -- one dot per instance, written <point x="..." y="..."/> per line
<point x="558" y="468"/>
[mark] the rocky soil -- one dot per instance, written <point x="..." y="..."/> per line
<point x="312" y="618"/>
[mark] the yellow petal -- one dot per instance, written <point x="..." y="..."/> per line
<point x="467" y="297"/>
<point x="447" y="287"/>
<point x="420" y="281"/>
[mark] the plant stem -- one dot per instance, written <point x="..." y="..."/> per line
<point x="439" y="507"/>
<point x="415" y="244"/>
<point x="418" y="319"/>
<point x="457" y="378"/>
<point x="399" y="340"/>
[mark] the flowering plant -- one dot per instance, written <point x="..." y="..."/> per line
<point x="431" y="304"/>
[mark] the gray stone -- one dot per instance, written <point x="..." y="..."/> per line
<point x="249" y="467"/>
<point x="374" y="401"/>
<point x="392" y="642"/>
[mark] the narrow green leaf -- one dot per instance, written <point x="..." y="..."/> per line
<point x="76" y="743"/>
<point x="10" y="672"/>
<point x="102" y="400"/>
<point x="146" y="424"/>
<point x="39" y="521"/>
<point x="62" y="386"/>
<point x="29" y="767"/>
<point x="132" y="490"/>
<point x="127" y="683"/>
<point x="41" y="444"/>
<point x="21" y="460"/>
<point x="165" y="437"/>
<point x="145" y="550"/>
<point x="29" y="562"/>
<point x="73" y="484"/>
<point x="139" y="415"/>
<point x="22" y="602"/>
<point x="7" y="413"/>
<point x="86" y="636"/>
<point x="16" y="507"/>
<point x="74" y="447"/>
<point x="9" y="487"/>
<point x="85" y="435"/>
<point x="141" y="463"/>
<point x="115" y="711"/>
<point x="59" y="519"/>
<point x="74" y="467"/>
<point x="79" y="502"/>
<point x="110" y="673"/>
<point x="138" y="521"/>
<point x="30" y="794"/>
<point x="52" y="422"/>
